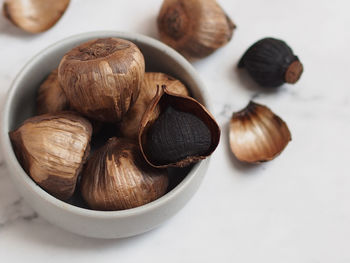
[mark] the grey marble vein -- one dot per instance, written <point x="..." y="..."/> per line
<point x="15" y="211"/>
<point x="287" y="91"/>
<point x="226" y="111"/>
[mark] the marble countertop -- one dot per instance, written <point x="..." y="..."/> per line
<point x="292" y="209"/>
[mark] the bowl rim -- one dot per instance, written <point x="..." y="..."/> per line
<point x="9" y="155"/>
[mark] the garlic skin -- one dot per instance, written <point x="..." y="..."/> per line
<point x="52" y="149"/>
<point x="116" y="177"/>
<point x="131" y="122"/>
<point x="51" y="98"/>
<point x="102" y="78"/>
<point x="257" y="134"/>
<point x="185" y="128"/>
<point x="195" y="28"/>
<point x="34" y="16"/>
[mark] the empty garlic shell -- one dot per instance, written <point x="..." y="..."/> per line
<point x="102" y="77"/>
<point x="117" y="177"/>
<point x="176" y="131"/>
<point x="195" y="28"/>
<point x="131" y="122"/>
<point x="271" y="63"/>
<point x="257" y="134"/>
<point x="34" y="16"/>
<point x="52" y="149"/>
<point x="51" y="98"/>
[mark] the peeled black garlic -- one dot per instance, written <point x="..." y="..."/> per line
<point x="51" y="98"/>
<point x="176" y="135"/>
<point x="102" y="77"/>
<point x="34" y="16"/>
<point x="117" y="177"/>
<point x="271" y="63"/>
<point x="257" y="134"/>
<point x="131" y="122"/>
<point x="52" y="149"/>
<point x="195" y="28"/>
<point x="176" y="131"/>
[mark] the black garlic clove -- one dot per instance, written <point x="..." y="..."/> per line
<point x="195" y="28"/>
<point x="52" y="149"/>
<point x="176" y="131"/>
<point x="51" y="97"/>
<point x="116" y="177"/>
<point x="176" y="135"/>
<point x="34" y="16"/>
<point x="271" y="63"/>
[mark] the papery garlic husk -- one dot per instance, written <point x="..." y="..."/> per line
<point x="34" y="16"/>
<point x="102" y="77"/>
<point x="131" y="122"/>
<point x="185" y="131"/>
<point x="51" y="98"/>
<point x="257" y="134"/>
<point x="117" y="177"/>
<point x="195" y="28"/>
<point x="52" y="149"/>
<point x="271" y="63"/>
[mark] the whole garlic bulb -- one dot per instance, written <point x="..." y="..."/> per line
<point x="52" y="149"/>
<point x="34" y="16"/>
<point x="195" y="28"/>
<point x="102" y="77"/>
<point x="117" y="177"/>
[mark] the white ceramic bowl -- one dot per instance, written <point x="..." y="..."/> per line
<point x="20" y="105"/>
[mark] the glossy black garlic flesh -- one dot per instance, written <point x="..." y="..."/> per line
<point x="271" y="63"/>
<point x="176" y="135"/>
<point x="176" y="131"/>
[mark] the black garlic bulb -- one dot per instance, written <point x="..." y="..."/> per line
<point x="51" y="97"/>
<point x="116" y="177"/>
<point x="176" y="131"/>
<point x="176" y="135"/>
<point x="195" y="28"/>
<point x="271" y="63"/>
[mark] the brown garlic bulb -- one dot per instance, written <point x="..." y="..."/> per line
<point x="52" y="149"/>
<point x="102" y="77"/>
<point x="176" y="131"/>
<point x="195" y="28"/>
<point x="51" y="98"/>
<point x="131" y="122"/>
<point x="257" y="134"/>
<point x="34" y="16"/>
<point x="116" y="177"/>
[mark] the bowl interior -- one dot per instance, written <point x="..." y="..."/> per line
<point x="158" y="58"/>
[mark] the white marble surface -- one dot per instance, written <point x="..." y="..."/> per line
<point x="293" y="209"/>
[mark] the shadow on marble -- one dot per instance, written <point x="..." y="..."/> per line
<point x="43" y="234"/>
<point x="248" y="83"/>
<point x="244" y="167"/>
